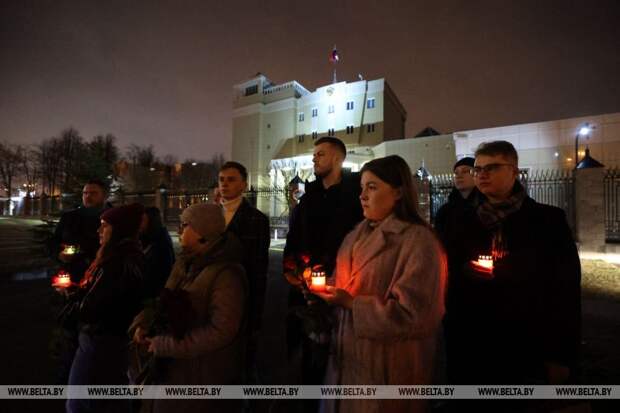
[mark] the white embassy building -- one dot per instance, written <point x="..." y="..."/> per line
<point x="275" y="126"/>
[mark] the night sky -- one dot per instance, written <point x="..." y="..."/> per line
<point x="162" y="72"/>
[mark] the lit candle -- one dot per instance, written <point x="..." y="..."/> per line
<point x="484" y="265"/>
<point x="318" y="281"/>
<point x="70" y="249"/>
<point x="61" y="280"/>
<point x="485" y="261"/>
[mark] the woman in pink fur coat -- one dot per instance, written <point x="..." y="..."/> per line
<point x="388" y="294"/>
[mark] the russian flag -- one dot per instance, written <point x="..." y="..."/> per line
<point x="333" y="56"/>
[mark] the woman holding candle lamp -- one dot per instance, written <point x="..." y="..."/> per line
<point x="109" y="297"/>
<point x="388" y="294"/>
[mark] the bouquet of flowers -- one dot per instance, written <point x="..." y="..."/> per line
<point x="297" y="270"/>
<point x="170" y="313"/>
<point x="315" y="317"/>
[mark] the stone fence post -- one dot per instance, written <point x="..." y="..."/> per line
<point x="590" y="209"/>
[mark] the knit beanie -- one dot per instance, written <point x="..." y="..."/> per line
<point x="464" y="161"/>
<point x="206" y="219"/>
<point x="125" y="220"/>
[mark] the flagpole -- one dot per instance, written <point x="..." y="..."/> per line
<point x="333" y="57"/>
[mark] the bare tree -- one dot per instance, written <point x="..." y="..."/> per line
<point x="10" y="165"/>
<point x="104" y="147"/>
<point x="73" y="153"/>
<point x="102" y="154"/>
<point x="141" y="155"/>
<point x="30" y="169"/>
<point x="48" y="157"/>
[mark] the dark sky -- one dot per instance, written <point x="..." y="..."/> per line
<point x="162" y="72"/>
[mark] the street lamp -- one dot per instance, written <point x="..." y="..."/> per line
<point x="583" y="131"/>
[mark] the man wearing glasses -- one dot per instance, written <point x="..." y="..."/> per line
<point x="513" y="306"/>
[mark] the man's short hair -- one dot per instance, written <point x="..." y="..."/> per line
<point x="99" y="183"/>
<point x="335" y="142"/>
<point x="236" y="165"/>
<point x="495" y="148"/>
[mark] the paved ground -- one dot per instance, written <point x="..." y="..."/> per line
<point x="26" y="321"/>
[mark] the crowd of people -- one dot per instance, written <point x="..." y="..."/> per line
<point x="491" y="292"/>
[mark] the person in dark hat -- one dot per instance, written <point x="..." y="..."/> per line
<point x="108" y="298"/>
<point x="462" y="196"/>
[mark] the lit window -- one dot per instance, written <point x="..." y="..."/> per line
<point x="371" y="103"/>
<point x="330" y="109"/>
<point x="301" y="116"/>
<point x="315" y="112"/>
<point x="350" y="105"/>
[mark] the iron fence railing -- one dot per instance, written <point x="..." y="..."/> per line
<point x="551" y="187"/>
<point x="611" y="197"/>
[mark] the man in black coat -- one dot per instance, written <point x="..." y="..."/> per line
<point x="519" y="321"/>
<point x="252" y="228"/>
<point x="329" y="209"/>
<point x="463" y="195"/>
<point x="78" y="228"/>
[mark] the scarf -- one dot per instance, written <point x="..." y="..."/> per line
<point x="492" y="217"/>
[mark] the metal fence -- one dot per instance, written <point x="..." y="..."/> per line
<point x="612" y="205"/>
<point x="38" y="206"/>
<point x="554" y="187"/>
<point x="551" y="187"/>
<point x="440" y="187"/>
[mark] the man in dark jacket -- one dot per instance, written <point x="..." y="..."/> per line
<point x="328" y="210"/>
<point x="252" y="228"/>
<point x="78" y="228"/>
<point x="463" y="195"/>
<point x="517" y="321"/>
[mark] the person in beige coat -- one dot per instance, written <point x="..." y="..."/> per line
<point x="212" y="350"/>
<point x="389" y="294"/>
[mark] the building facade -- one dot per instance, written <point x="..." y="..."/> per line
<point x="550" y="145"/>
<point x="281" y="122"/>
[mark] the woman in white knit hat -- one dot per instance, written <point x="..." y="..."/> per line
<point x="211" y="350"/>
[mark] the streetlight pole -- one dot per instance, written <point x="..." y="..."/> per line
<point x="583" y="131"/>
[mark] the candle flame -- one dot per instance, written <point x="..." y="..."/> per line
<point x="484" y="264"/>
<point x="62" y="280"/>
<point x="69" y="249"/>
<point x="318" y="281"/>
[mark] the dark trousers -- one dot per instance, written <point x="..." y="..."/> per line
<point x="99" y="360"/>
<point x="313" y="355"/>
